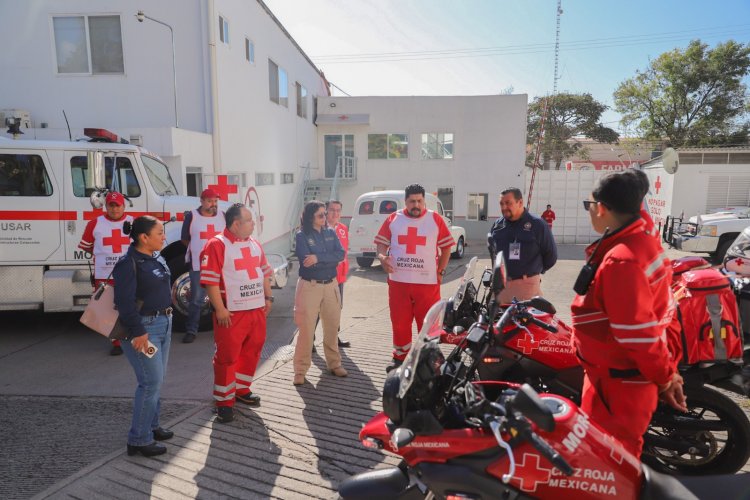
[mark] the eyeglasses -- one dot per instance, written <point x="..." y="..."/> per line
<point x="320" y="215"/>
<point x="587" y="204"/>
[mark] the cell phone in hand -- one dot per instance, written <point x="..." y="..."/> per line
<point x="150" y="350"/>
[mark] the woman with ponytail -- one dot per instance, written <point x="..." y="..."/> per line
<point x="143" y="299"/>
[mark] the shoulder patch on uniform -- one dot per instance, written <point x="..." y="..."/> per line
<point x="204" y="260"/>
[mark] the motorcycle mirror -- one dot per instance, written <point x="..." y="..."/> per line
<point x="487" y="278"/>
<point x="401" y="437"/>
<point x="528" y="402"/>
<point x="498" y="274"/>
<point x="542" y="304"/>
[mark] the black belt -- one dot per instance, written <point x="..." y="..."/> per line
<point x="161" y="312"/>
<point x="629" y="373"/>
<point x="523" y="276"/>
<point x="319" y="282"/>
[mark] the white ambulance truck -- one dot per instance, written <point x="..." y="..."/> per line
<point x="47" y="196"/>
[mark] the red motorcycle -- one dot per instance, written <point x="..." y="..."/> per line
<point x="456" y="443"/>
<point x="535" y="347"/>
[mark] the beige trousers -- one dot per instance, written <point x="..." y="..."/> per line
<point x="311" y="300"/>
<point x="522" y="289"/>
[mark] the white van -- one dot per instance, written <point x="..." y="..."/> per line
<point x="46" y="201"/>
<point x="371" y="209"/>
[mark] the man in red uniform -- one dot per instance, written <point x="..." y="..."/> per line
<point x="333" y="219"/>
<point x="621" y="314"/>
<point x="104" y="238"/>
<point x="409" y="242"/>
<point x="237" y="279"/>
<point x="549" y="216"/>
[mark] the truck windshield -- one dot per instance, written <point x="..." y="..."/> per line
<point x="159" y="176"/>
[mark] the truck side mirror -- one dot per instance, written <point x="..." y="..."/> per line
<point x="95" y="176"/>
<point x="498" y="274"/>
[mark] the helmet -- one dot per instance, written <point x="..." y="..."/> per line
<point x="737" y="259"/>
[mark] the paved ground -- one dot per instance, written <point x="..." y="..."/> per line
<point x="66" y="405"/>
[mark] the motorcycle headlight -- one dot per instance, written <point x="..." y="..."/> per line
<point x="707" y="230"/>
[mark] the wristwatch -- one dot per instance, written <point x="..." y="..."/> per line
<point x="269" y="298"/>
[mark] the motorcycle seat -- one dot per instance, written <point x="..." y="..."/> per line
<point x="658" y="486"/>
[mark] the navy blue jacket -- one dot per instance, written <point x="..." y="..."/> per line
<point x="153" y="288"/>
<point x="538" y="249"/>
<point x="326" y="246"/>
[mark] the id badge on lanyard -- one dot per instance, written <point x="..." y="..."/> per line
<point x="515" y="251"/>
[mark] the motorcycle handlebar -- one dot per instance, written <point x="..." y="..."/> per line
<point x="549" y="453"/>
<point x="542" y="324"/>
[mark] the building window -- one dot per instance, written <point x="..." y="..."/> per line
<point x="88" y="45"/>
<point x="477" y="206"/>
<point x="249" y="51"/>
<point x="287" y="178"/>
<point x="301" y="101"/>
<point x="278" y="84"/>
<point x="264" y="179"/>
<point x="194" y="179"/>
<point x="23" y="175"/>
<point x="387" y="146"/>
<point x="223" y="30"/>
<point x="437" y="146"/>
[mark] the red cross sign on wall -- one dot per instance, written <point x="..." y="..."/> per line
<point x="210" y="232"/>
<point x="223" y="188"/>
<point x="116" y="240"/>
<point x="657" y="184"/>
<point x="249" y="263"/>
<point x="411" y="239"/>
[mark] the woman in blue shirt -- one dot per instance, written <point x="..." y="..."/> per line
<point x="143" y="299"/>
<point x="319" y="252"/>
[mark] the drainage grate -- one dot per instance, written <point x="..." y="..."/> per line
<point x="277" y="351"/>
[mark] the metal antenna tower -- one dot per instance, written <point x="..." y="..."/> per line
<point x="557" y="47"/>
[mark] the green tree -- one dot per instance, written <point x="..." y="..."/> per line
<point x="568" y="116"/>
<point x="691" y="97"/>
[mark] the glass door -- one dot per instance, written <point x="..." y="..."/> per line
<point x="337" y="146"/>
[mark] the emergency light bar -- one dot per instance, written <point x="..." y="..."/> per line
<point x="102" y="135"/>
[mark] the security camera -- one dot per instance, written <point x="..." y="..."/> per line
<point x="140" y="16"/>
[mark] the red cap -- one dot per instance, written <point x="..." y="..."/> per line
<point x="115" y="197"/>
<point x="209" y="193"/>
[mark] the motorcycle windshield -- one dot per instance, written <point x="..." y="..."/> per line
<point x="432" y="321"/>
<point x="458" y="297"/>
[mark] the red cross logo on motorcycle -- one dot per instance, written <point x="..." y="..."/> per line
<point x="210" y="232"/>
<point x="116" y="240"/>
<point x="223" y="188"/>
<point x="412" y="240"/>
<point x="248" y="262"/>
<point x="739" y="262"/>
<point x="657" y="184"/>
<point x="616" y="449"/>
<point x="527" y="344"/>
<point x="530" y="473"/>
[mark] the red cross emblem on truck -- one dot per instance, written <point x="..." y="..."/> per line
<point x="248" y="262"/>
<point x="412" y="240"/>
<point x="116" y="240"/>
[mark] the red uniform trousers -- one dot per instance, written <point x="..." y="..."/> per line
<point x="408" y="302"/>
<point x="622" y="407"/>
<point x="237" y="353"/>
<point x="115" y="342"/>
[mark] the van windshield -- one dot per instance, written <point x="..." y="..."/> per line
<point x="159" y="176"/>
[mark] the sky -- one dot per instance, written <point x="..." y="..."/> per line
<point x="480" y="47"/>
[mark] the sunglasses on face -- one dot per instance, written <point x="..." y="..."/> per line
<point x="320" y="215"/>
<point x="587" y="204"/>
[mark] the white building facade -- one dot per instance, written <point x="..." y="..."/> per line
<point x="245" y="90"/>
<point x="464" y="149"/>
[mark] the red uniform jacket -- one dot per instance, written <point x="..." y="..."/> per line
<point x="621" y="321"/>
<point x="343" y="268"/>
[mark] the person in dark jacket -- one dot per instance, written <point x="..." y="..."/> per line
<point x="527" y="245"/>
<point x="143" y="299"/>
<point x="319" y="252"/>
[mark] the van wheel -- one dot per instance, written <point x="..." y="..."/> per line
<point x="459" y="253"/>
<point x="721" y="251"/>
<point x="365" y="261"/>
<point x="180" y="301"/>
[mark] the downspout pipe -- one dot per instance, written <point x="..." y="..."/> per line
<point x="214" y="88"/>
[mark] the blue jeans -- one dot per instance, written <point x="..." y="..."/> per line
<point x="197" y="297"/>
<point x="150" y="374"/>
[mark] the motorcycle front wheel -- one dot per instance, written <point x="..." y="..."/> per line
<point x="713" y="437"/>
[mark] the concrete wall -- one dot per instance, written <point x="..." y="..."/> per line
<point x="489" y="138"/>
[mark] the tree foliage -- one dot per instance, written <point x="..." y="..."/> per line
<point x="568" y="116"/>
<point x="691" y="97"/>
